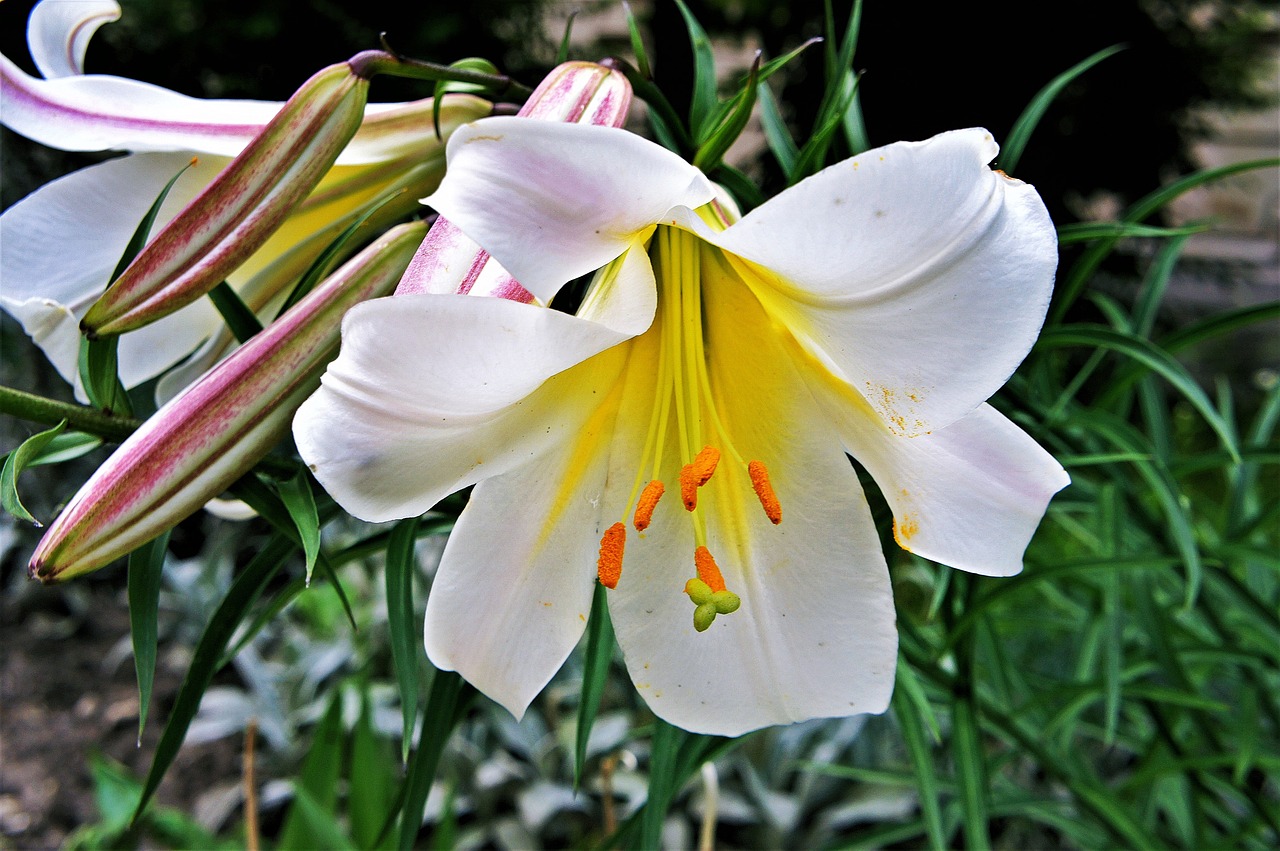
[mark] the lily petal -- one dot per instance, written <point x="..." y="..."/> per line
<point x="396" y="425"/>
<point x="48" y="286"/>
<point x="58" y="33"/>
<point x="507" y="605"/>
<point x="969" y="496"/>
<point x="551" y="202"/>
<point x="896" y="267"/>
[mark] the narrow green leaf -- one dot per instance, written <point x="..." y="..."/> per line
<point x="704" y="100"/>
<point x="1155" y="359"/>
<point x="775" y="129"/>
<point x="318" y="782"/>
<point x="562" y="54"/>
<point x="17" y="461"/>
<point x="1016" y="141"/>
<point x="323" y="829"/>
<point x="99" y="368"/>
<point x="855" y="129"/>
<point x="1110" y="516"/>
<point x="665" y="744"/>
<point x="908" y="685"/>
<point x="146" y="566"/>
<point x="1077" y="280"/>
<point x="301" y="504"/>
<point x="1155" y="284"/>
<point x="1075" y="232"/>
<point x="637" y="44"/>
<point x="922" y="763"/>
<point x="401" y="566"/>
<point x="65" y="447"/>
<point x="725" y="133"/>
<point x="743" y="188"/>
<point x="595" y="675"/>
<point x="372" y="795"/>
<point x="445" y="707"/>
<point x="233" y="609"/>
<point x="279" y="600"/>
<point x="241" y="321"/>
<point x="971" y="773"/>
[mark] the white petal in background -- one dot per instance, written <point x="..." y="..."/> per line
<point x="62" y="242"/>
<point x="58" y="33"/>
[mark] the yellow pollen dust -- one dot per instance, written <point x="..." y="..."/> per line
<point x="609" y="565"/>
<point x="760" y="483"/>
<point x="648" y="502"/>
<point x="697" y="473"/>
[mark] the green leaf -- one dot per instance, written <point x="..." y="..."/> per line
<point x="595" y="675"/>
<point x="405" y="640"/>
<point x="726" y="132"/>
<point x="1155" y="359"/>
<point x="65" y="447"/>
<point x="99" y="369"/>
<point x="704" y="100"/>
<point x="971" y="773"/>
<point x="372" y="795"/>
<point x="922" y="763"/>
<point x="301" y="504"/>
<point x="1075" y="232"/>
<point x="855" y="129"/>
<point x="146" y="566"/>
<point x="562" y="54"/>
<point x="318" y="783"/>
<point x="239" y="318"/>
<point x="775" y="130"/>
<point x="446" y="704"/>
<point x="637" y="44"/>
<point x="1016" y="142"/>
<point x="233" y="609"/>
<point x="663" y="783"/>
<point x="743" y="188"/>
<point x="323" y="829"/>
<point x="17" y="461"/>
<point x="445" y="85"/>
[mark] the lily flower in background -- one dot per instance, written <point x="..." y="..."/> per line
<point x="682" y="438"/>
<point x="63" y="241"/>
<point x="213" y="432"/>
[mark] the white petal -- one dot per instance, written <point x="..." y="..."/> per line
<point x="432" y="393"/>
<point x="62" y="242"/>
<point x="98" y="112"/>
<point x="969" y="496"/>
<point x="514" y="587"/>
<point x="555" y="201"/>
<point x="58" y="33"/>
<point x="815" y="634"/>
<point x="915" y="271"/>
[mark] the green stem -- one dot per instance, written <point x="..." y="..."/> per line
<point x="29" y="406"/>
<point x="370" y="62"/>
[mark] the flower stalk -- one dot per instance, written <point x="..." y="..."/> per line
<point x="214" y="432"/>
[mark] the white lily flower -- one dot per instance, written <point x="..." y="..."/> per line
<point x="63" y="241"/>
<point x="868" y="310"/>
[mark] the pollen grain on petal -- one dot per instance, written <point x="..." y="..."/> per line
<point x="648" y="502"/>
<point x="904" y="530"/>
<point x="609" y="565"/>
<point x="708" y="570"/>
<point x="697" y="473"/>
<point x="764" y="491"/>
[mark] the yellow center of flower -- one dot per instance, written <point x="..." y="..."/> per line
<point x="683" y="410"/>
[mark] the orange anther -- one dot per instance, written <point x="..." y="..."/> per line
<point x="764" y="490"/>
<point x="648" y="502"/>
<point x="697" y="473"/>
<point x="708" y="570"/>
<point x="609" y="565"/>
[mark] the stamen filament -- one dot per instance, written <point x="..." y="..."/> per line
<point x="609" y="565"/>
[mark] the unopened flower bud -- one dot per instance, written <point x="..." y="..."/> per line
<point x="194" y="447"/>
<point x="241" y="208"/>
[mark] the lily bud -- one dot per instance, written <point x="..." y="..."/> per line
<point x="241" y="208"/>
<point x="194" y="447"/>
<point x="450" y="262"/>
